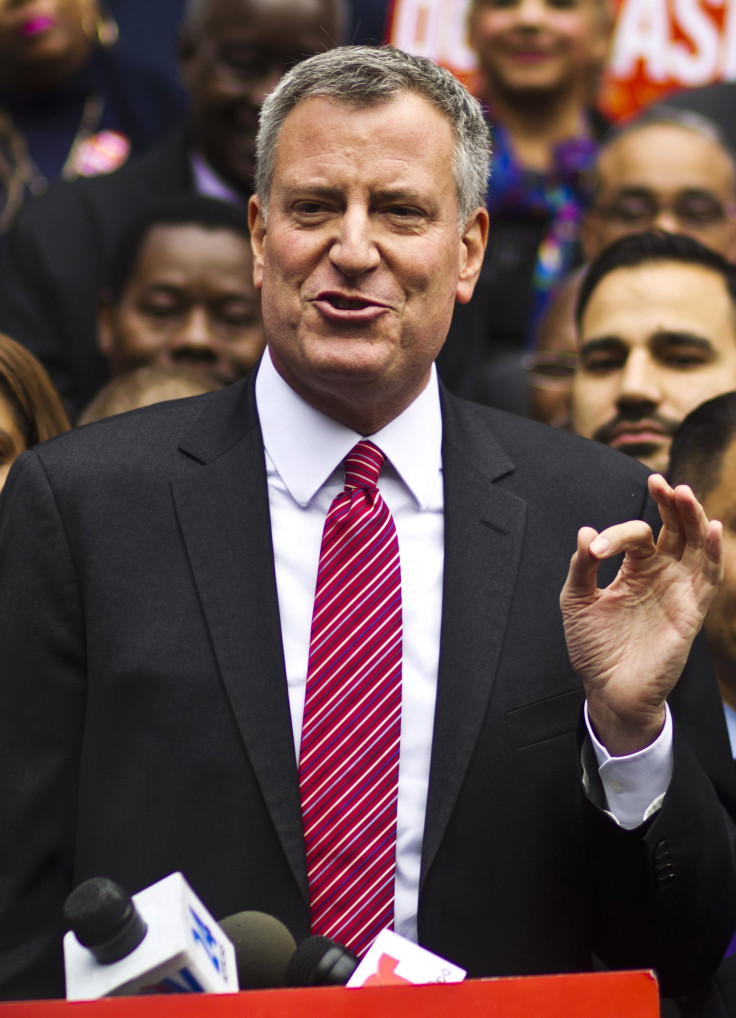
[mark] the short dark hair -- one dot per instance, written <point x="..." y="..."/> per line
<point x="181" y="210"/>
<point x="652" y="246"/>
<point x="701" y="442"/>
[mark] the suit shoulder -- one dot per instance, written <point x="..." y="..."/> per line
<point x="560" y="478"/>
<point x="525" y="441"/>
<point x="143" y="442"/>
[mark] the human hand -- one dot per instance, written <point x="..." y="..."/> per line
<point x="629" y="641"/>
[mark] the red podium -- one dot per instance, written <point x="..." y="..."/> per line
<point x="590" y="995"/>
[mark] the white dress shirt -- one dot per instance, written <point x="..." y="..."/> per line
<point x="304" y="455"/>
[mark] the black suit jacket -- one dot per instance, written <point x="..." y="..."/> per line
<point x="56" y="258"/>
<point x="145" y="723"/>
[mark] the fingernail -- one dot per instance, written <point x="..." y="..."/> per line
<point x="600" y="545"/>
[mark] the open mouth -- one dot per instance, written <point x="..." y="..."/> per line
<point x="347" y="303"/>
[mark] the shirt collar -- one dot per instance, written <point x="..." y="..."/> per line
<point x="306" y="447"/>
<point x="210" y="184"/>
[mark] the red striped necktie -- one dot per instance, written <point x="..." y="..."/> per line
<point x="349" y="760"/>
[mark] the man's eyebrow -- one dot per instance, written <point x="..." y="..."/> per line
<point x="607" y="343"/>
<point x="661" y="338"/>
<point x="634" y="191"/>
<point x="671" y="337"/>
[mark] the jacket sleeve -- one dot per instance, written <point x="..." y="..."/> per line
<point x="42" y="702"/>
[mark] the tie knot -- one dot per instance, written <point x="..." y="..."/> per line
<point x="363" y="465"/>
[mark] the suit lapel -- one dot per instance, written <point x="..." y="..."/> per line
<point x="224" y="516"/>
<point x="484" y="529"/>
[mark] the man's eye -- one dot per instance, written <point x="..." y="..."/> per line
<point x="160" y="310"/>
<point x="599" y="364"/>
<point x="238" y="319"/>
<point x="404" y="211"/>
<point x="684" y="360"/>
<point x="309" y="208"/>
<point x="633" y="211"/>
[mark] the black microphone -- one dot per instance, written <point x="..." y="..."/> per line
<point x="163" y="940"/>
<point x="263" y="948"/>
<point x="319" y="961"/>
<point x="104" y="919"/>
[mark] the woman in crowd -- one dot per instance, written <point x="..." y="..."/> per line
<point x="70" y="103"/>
<point x="30" y="409"/>
<point x="540" y="62"/>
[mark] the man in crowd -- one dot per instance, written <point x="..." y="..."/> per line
<point x="180" y="292"/>
<point x="657" y="336"/>
<point x="188" y="682"/>
<point x="666" y="169"/>
<point x="703" y="455"/>
<point x="231" y="53"/>
<point x="669" y="170"/>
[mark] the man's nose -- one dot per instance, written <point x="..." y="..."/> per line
<point x="666" y="220"/>
<point x="354" y="250"/>
<point x="194" y="338"/>
<point x="640" y="383"/>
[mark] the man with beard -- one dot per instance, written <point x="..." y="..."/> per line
<point x="657" y="337"/>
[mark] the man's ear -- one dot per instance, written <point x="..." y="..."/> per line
<point x="105" y="326"/>
<point x="257" y="226"/>
<point x="472" y="248"/>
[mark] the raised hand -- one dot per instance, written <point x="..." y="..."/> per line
<point x="629" y="641"/>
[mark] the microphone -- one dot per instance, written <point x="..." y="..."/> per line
<point x="163" y="940"/>
<point x="263" y="948"/>
<point x="319" y="961"/>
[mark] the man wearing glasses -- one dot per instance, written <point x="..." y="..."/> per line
<point x="668" y="170"/>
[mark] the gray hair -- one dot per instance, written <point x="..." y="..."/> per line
<point x="361" y="76"/>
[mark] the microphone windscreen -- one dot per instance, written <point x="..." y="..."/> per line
<point x="104" y="919"/>
<point x="263" y="949"/>
<point x="319" y="961"/>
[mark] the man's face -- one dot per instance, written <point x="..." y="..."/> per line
<point x="720" y="622"/>
<point x="664" y="176"/>
<point x="233" y="61"/>
<point x="539" y="45"/>
<point x="361" y="259"/>
<point x="189" y="300"/>
<point x="655" y="341"/>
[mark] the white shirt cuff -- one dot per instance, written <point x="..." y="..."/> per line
<point x="635" y="785"/>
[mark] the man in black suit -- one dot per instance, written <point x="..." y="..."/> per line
<point x="159" y="573"/>
<point x="231" y="53"/>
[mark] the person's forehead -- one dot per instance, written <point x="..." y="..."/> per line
<point x="636" y="303"/>
<point x="556" y="330"/>
<point x="406" y="134"/>
<point x="168" y="246"/>
<point x="665" y="158"/>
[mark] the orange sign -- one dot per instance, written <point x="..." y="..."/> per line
<point x="658" y="45"/>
